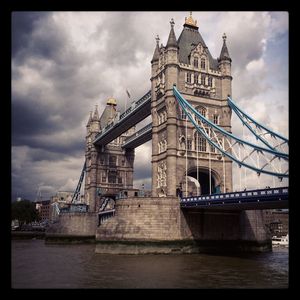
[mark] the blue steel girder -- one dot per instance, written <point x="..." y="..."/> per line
<point x="260" y="131"/>
<point x="138" y="111"/>
<point x="267" y="161"/>
<point x="77" y="191"/>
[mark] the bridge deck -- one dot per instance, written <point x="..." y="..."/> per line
<point x="140" y="110"/>
<point x="141" y="137"/>
<point x="254" y="199"/>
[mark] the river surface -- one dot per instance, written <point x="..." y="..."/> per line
<point x="38" y="265"/>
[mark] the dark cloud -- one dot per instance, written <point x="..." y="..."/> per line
<point x="22" y="25"/>
<point x="63" y="63"/>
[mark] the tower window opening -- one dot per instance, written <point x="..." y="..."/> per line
<point x="216" y="119"/>
<point x="202" y="63"/>
<point x="203" y="79"/>
<point x="196" y="62"/>
<point x="188" y="77"/>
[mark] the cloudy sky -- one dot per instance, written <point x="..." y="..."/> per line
<point x="64" y="63"/>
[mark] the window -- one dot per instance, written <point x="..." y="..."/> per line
<point x="188" y="77"/>
<point x="200" y="142"/>
<point x="189" y="144"/>
<point x="195" y="62"/>
<point x="210" y="81"/>
<point x="202" y="63"/>
<point x="202" y="110"/>
<point x="112" y="161"/>
<point x="182" y="115"/>
<point x="196" y="76"/>
<point x="103" y="178"/>
<point x="216" y="119"/>
<point x="119" y="179"/>
<point x="111" y="178"/>
<point x="203" y="79"/>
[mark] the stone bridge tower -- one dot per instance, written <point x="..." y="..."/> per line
<point x="205" y="82"/>
<point x="109" y="169"/>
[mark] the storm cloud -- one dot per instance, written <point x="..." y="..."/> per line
<point x="64" y="63"/>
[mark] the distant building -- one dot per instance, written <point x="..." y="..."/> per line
<point x="277" y="221"/>
<point x="43" y="207"/>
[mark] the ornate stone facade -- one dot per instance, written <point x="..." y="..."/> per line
<point x="109" y="169"/>
<point x="205" y="82"/>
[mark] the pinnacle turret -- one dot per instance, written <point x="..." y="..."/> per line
<point x="172" y="42"/>
<point x="96" y="114"/>
<point x="156" y="51"/>
<point x="224" y="52"/>
<point x="90" y="119"/>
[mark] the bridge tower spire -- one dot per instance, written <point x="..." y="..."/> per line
<point x="224" y="62"/>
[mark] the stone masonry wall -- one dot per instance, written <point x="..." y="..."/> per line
<point x="143" y="219"/>
<point x="74" y="224"/>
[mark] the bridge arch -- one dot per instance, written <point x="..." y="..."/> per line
<point x="201" y="187"/>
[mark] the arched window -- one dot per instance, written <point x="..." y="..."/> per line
<point x="202" y="110"/>
<point x="112" y="161"/>
<point x="196" y="62"/>
<point x="202" y="63"/>
<point x="203" y="79"/>
<point x="200" y="142"/>
<point x="196" y="76"/>
<point x="188" y="77"/>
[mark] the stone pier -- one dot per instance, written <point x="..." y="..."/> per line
<point x="158" y="225"/>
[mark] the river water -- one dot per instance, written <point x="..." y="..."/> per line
<point x="38" y="265"/>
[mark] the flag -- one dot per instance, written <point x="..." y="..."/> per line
<point x="128" y="94"/>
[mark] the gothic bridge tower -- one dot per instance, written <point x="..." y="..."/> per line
<point x="109" y="169"/>
<point x="179" y="152"/>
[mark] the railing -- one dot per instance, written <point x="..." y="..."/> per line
<point x="104" y="215"/>
<point x="138" y="133"/>
<point x="237" y="197"/>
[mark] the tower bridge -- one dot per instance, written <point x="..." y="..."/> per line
<point x="193" y="148"/>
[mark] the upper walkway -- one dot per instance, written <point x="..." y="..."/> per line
<point x="137" y="112"/>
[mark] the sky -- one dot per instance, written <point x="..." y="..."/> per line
<point x="65" y="63"/>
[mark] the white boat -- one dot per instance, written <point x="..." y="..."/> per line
<point x="282" y="241"/>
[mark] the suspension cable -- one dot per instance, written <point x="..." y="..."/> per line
<point x="186" y="193"/>
<point x="197" y="149"/>
<point x="224" y="173"/>
<point x="209" y="161"/>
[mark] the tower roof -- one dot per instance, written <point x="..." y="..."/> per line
<point x="188" y="39"/>
<point x="90" y="119"/>
<point x="156" y="51"/>
<point x="96" y="114"/>
<point x="172" y="42"/>
<point x="111" y="101"/>
<point x="224" y="52"/>
<point x="190" y="22"/>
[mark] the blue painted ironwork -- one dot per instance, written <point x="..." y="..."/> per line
<point x="247" y="120"/>
<point x="251" y="196"/>
<point x="187" y="107"/>
<point x="77" y="191"/>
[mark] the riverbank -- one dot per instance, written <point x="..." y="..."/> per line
<point x="27" y="234"/>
